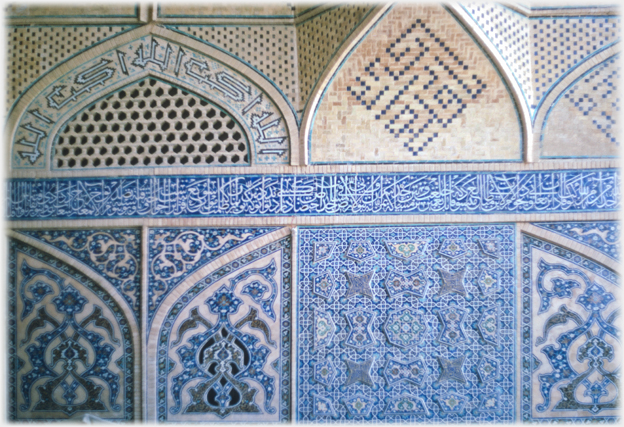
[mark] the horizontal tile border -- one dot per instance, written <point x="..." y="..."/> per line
<point x="315" y="195"/>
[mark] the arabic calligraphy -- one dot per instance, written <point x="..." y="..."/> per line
<point x="95" y="79"/>
<point x="339" y="194"/>
<point x="88" y="79"/>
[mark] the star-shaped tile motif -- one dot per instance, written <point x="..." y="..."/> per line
<point x="451" y="369"/>
<point x="452" y="282"/>
<point x="359" y="284"/>
<point x="359" y="372"/>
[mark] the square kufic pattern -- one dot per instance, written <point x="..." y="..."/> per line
<point x="406" y="324"/>
<point x="571" y="353"/>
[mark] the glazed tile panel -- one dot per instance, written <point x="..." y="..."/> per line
<point x="594" y="190"/>
<point x="571" y="351"/>
<point x="175" y="253"/>
<point x="604" y="236"/>
<point x="222" y="351"/>
<point x="114" y="253"/>
<point x="406" y="324"/>
<point x="71" y="343"/>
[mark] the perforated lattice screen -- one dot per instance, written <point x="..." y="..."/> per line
<point x="151" y="123"/>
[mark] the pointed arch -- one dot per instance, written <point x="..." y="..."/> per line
<point x="152" y="51"/>
<point x="560" y="87"/>
<point x="504" y="71"/>
<point x="48" y="253"/>
<point x="326" y="78"/>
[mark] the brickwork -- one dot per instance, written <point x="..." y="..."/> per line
<point x="509" y="31"/>
<point x="319" y="38"/>
<point x="558" y="45"/>
<point x="422" y="90"/>
<point x="35" y="50"/>
<point x="594" y="103"/>
<point x="440" y="247"/>
<point x="270" y="49"/>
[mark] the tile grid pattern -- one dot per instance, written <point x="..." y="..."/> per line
<point x="319" y="38"/>
<point x="270" y="49"/>
<point x="557" y="45"/>
<point x="433" y="388"/>
<point x="34" y="50"/>
<point x="509" y="32"/>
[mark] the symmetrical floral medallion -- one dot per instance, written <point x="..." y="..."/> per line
<point x="571" y="342"/>
<point x="406" y="250"/>
<point x="71" y="342"/>
<point x="453" y="248"/>
<point x="223" y="350"/>
<point x="360" y="251"/>
<point x="415" y="284"/>
<point x="401" y="337"/>
<point x="488" y="281"/>
<point x="324" y="285"/>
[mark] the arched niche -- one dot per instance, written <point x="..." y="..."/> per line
<point x="156" y="52"/>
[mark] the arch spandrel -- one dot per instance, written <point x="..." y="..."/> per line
<point x="164" y="55"/>
<point x="75" y="344"/>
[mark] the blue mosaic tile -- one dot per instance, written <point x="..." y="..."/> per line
<point x="340" y="194"/>
<point x="376" y="355"/>
<point x="175" y="253"/>
<point x="570" y="339"/>
<point x="222" y="355"/>
<point x="509" y="32"/>
<point x="113" y="253"/>
<point x="57" y="314"/>
<point x="560" y="44"/>
<point x="600" y="102"/>
<point x="604" y="236"/>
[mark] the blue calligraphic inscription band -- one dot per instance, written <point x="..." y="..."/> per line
<point x="323" y="194"/>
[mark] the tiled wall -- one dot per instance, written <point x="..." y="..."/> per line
<point x="315" y="213"/>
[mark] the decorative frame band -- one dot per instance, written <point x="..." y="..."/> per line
<point x="525" y="192"/>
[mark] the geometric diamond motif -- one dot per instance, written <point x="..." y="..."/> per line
<point x="414" y="100"/>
